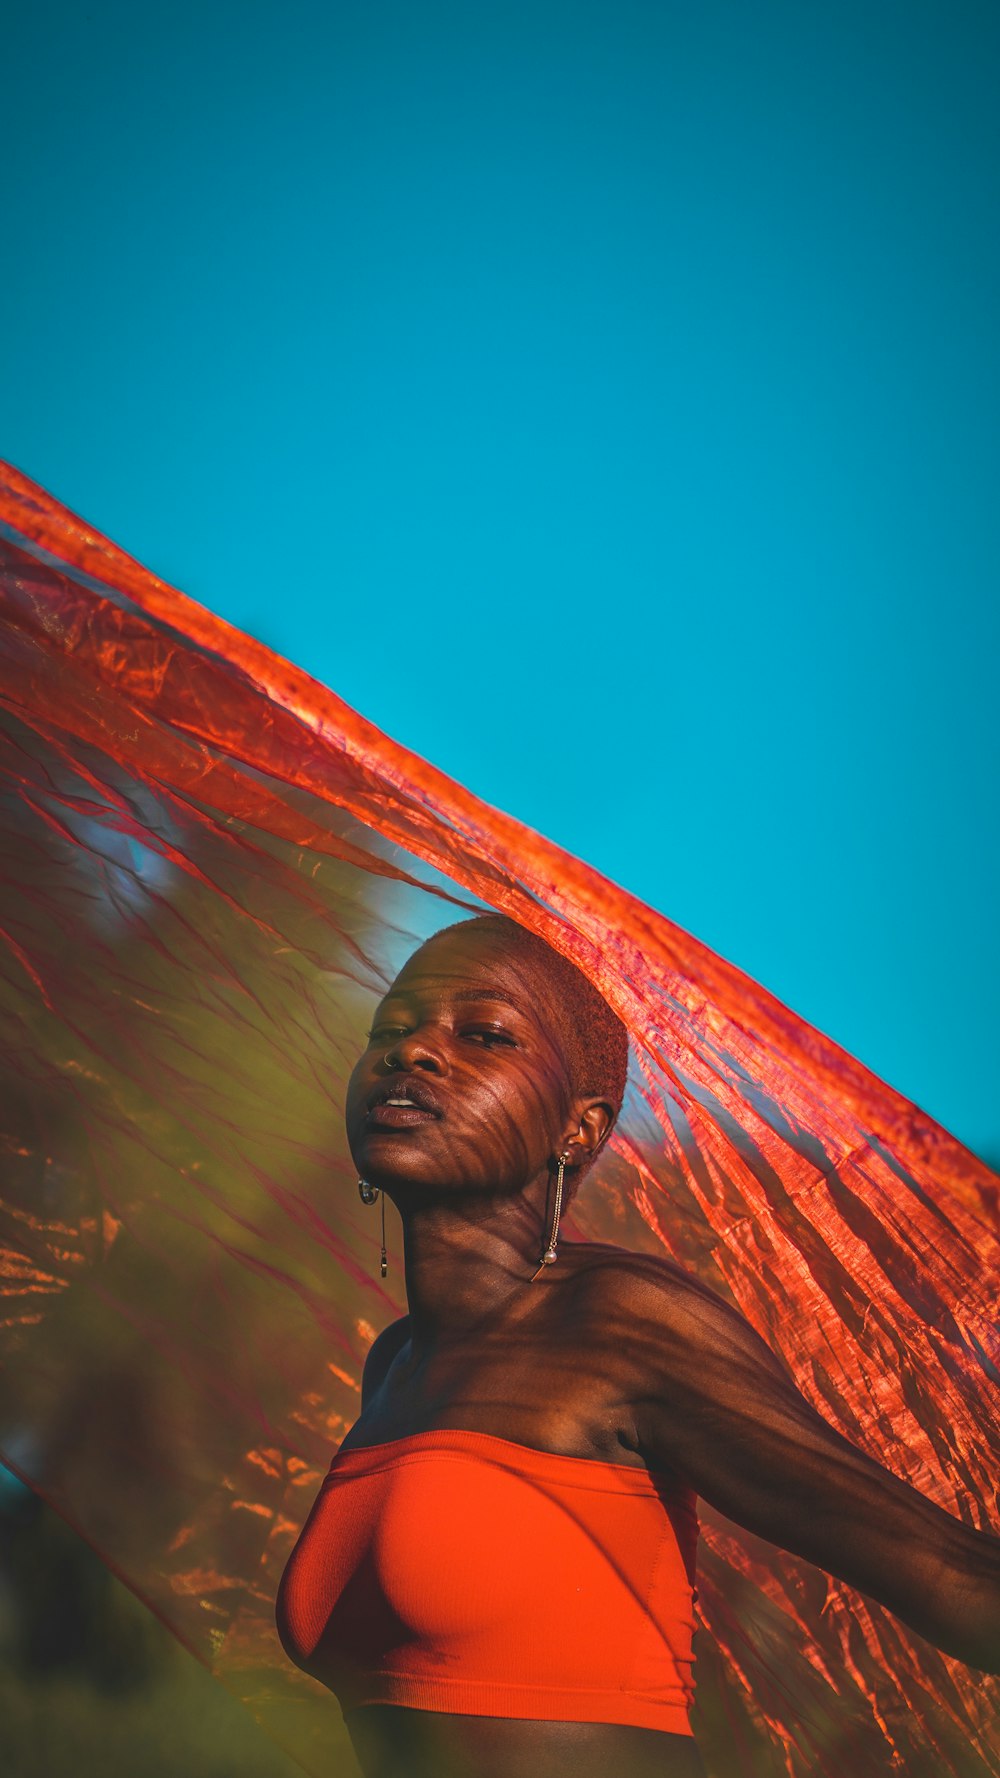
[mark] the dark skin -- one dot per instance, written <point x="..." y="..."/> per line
<point x="605" y="1355"/>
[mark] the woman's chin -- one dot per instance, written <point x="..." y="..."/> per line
<point x="391" y="1158"/>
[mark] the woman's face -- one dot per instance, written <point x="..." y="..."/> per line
<point x="467" y="1041"/>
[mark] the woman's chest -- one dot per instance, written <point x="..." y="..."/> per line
<point x="554" y="1395"/>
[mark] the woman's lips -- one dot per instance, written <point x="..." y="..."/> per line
<point x="399" y="1117"/>
<point x="401" y="1103"/>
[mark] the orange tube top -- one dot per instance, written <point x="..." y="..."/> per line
<point x="460" y="1572"/>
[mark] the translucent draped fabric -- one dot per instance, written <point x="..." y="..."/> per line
<point x="211" y="869"/>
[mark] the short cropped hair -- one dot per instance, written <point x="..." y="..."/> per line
<point x="594" y="1038"/>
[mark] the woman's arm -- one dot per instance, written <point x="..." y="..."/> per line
<point x="722" y="1409"/>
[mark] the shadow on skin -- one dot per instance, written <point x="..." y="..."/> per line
<point x="397" y="1743"/>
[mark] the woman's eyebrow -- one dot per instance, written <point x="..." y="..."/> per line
<point x="488" y="994"/>
<point x="459" y="994"/>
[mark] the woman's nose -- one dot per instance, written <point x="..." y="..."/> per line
<point x="416" y="1049"/>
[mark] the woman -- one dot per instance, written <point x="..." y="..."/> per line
<point x="497" y="1576"/>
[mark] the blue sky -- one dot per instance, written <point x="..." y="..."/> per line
<point x="600" y="397"/>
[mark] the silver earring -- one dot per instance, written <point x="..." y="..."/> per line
<point x="549" y="1256"/>
<point x="368" y="1195"/>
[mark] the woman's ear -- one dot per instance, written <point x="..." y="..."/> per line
<point x="592" y="1126"/>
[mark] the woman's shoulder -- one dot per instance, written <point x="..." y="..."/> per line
<point x="598" y="1265"/>
<point x="381" y="1353"/>
<point x="647" y="1285"/>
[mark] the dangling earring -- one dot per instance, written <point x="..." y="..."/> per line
<point x="368" y="1195"/>
<point x="549" y="1256"/>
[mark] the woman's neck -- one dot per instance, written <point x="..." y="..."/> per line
<point x="465" y="1262"/>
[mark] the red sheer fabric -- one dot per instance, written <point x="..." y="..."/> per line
<point x="211" y="869"/>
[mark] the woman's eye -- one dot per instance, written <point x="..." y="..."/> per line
<point x="379" y="1033"/>
<point x="488" y="1036"/>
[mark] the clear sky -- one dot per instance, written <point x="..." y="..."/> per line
<point x="600" y="397"/>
